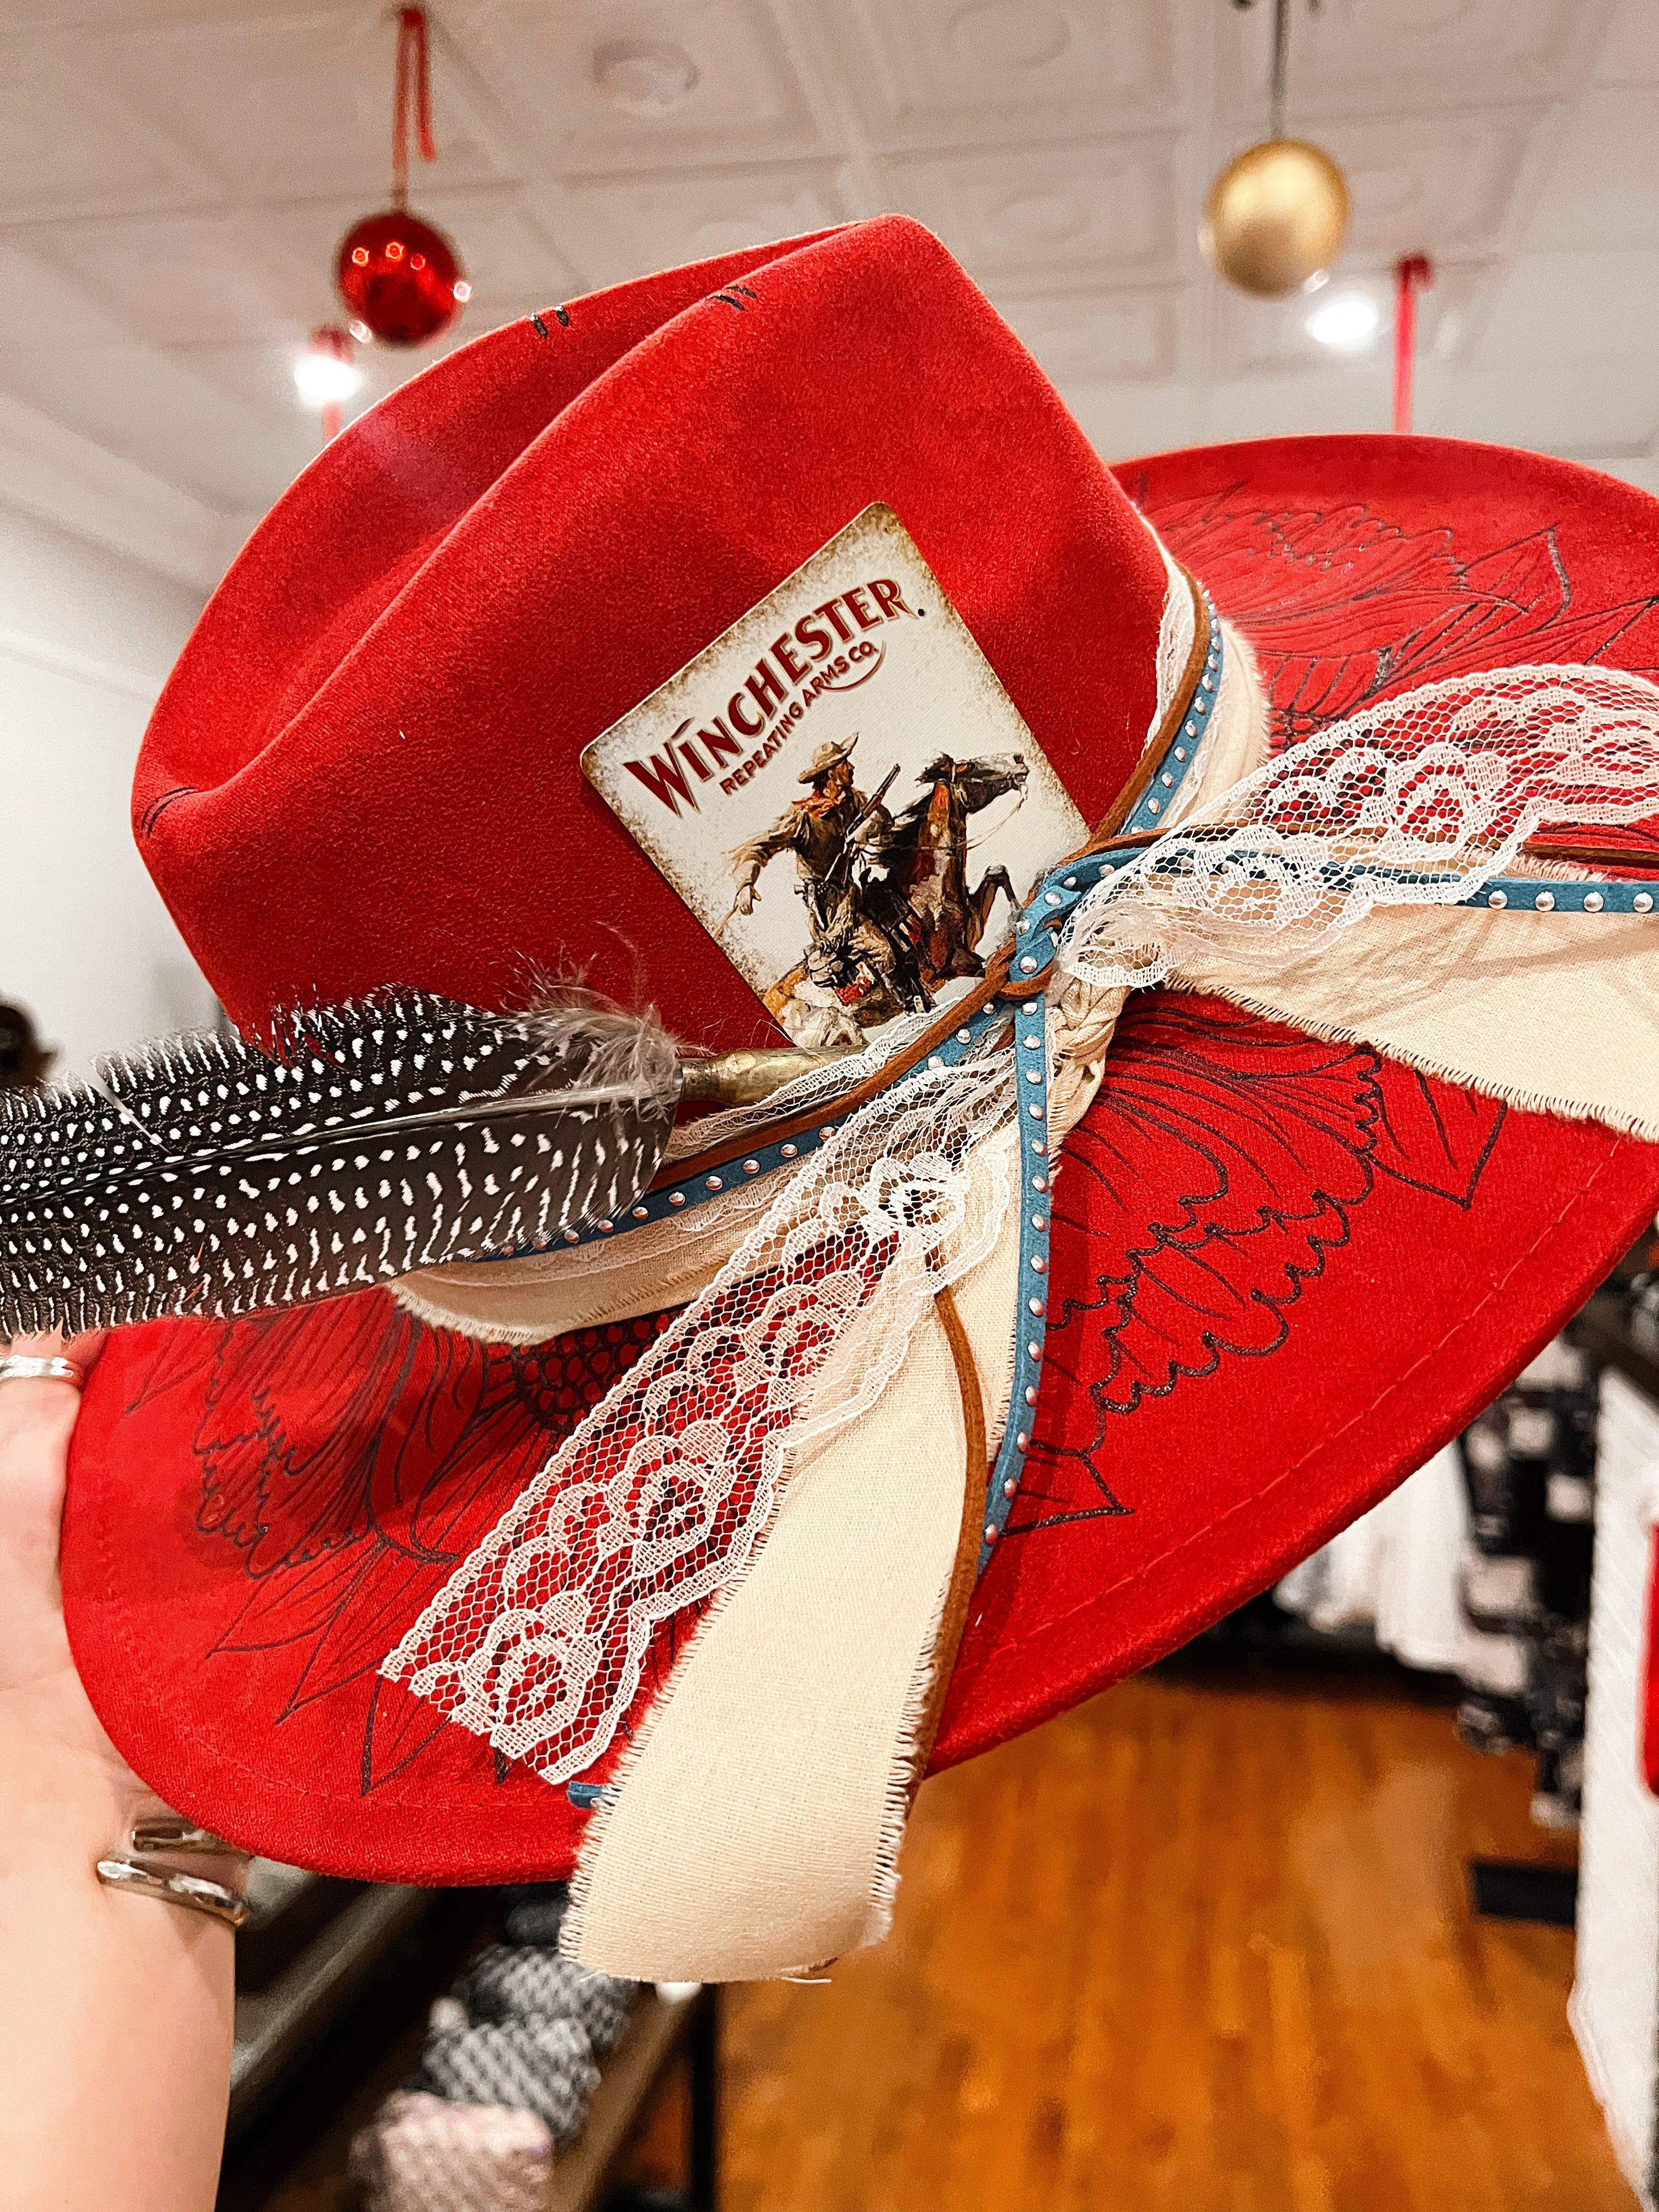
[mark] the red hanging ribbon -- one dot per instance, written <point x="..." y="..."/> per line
<point x="1413" y="274"/>
<point x="412" y="87"/>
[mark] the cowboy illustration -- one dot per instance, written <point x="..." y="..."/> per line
<point x="838" y="836"/>
<point x="817" y="829"/>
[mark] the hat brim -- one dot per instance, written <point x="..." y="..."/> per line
<point x="1283" y="1273"/>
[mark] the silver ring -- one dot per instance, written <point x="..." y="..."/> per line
<point x="23" y="1367"/>
<point x="188" y="1890"/>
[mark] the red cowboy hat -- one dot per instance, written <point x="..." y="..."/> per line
<point x="1284" y="1271"/>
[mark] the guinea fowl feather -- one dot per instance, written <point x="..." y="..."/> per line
<point x="200" y="1176"/>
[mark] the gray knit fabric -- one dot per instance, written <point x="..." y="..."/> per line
<point x="422" y="2153"/>
<point x="545" y="2067"/>
<point x="510" y="2053"/>
<point x="532" y="1983"/>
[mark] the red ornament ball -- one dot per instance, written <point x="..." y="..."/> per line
<point x="400" y="277"/>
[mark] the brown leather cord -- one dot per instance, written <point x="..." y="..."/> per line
<point x="995" y="982"/>
<point x="1591" y="856"/>
<point x="1136" y="840"/>
<point x="953" y="1619"/>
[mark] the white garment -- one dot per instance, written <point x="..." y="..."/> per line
<point x="1615" y="2008"/>
<point x="1395" y="1571"/>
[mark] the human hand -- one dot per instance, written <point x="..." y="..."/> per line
<point x="43" y="1710"/>
<point x="116" y="2012"/>
<point x="744" y="900"/>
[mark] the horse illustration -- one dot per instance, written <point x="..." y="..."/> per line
<point x="926" y="860"/>
<point x="911" y="922"/>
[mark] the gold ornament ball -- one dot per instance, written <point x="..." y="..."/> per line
<point x="1276" y="216"/>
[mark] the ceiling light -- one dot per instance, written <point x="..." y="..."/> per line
<point x="644" y="77"/>
<point x="1347" y="322"/>
<point x="326" y="373"/>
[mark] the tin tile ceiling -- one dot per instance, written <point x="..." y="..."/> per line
<point x="175" y="173"/>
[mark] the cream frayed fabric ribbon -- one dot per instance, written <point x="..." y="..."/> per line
<point x="1323" y="890"/>
<point x="756" y="1459"/>
<point x="783" y="1758"/>
<point x="1550" y="1013"/>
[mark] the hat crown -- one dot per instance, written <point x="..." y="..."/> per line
<point x="365" y="771"/>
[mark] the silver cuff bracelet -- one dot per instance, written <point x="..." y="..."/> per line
<point x="165" y="1835"/>
<point x="190" y="1890"/>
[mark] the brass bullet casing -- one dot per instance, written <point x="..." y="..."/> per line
<point x="1276" y="216"/>
<point x="743" y="1078"/>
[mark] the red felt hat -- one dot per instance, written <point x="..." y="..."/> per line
<point x="1284" y="1271"/>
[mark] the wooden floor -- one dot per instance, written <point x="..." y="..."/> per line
<point x="1195" y="1947"/>
<point x="1199" y="1946"/>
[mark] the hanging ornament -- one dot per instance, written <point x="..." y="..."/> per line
<point x="400" y="276"/>
<point x="1414" y="274"/>
<point x="1276" y="217"/>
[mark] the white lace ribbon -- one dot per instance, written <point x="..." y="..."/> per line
<point x="539" y="1640"/>
<point x="1418" y="801"/>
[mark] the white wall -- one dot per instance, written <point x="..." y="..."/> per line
<point x="86" y="637"/>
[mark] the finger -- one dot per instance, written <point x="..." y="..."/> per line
<point x="45" y="1401"/>
<point x="50" y="1344"/>
<point x="37" y="1419"/>
<point x="84" y="1349"/>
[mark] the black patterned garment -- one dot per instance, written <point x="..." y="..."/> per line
<point x="507" y="2076"/>
<point x="1529" y="1464"/>
<point x="525" y="2026"/>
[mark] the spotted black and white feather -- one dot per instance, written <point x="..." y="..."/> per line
<point x="201" y="1177"/>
